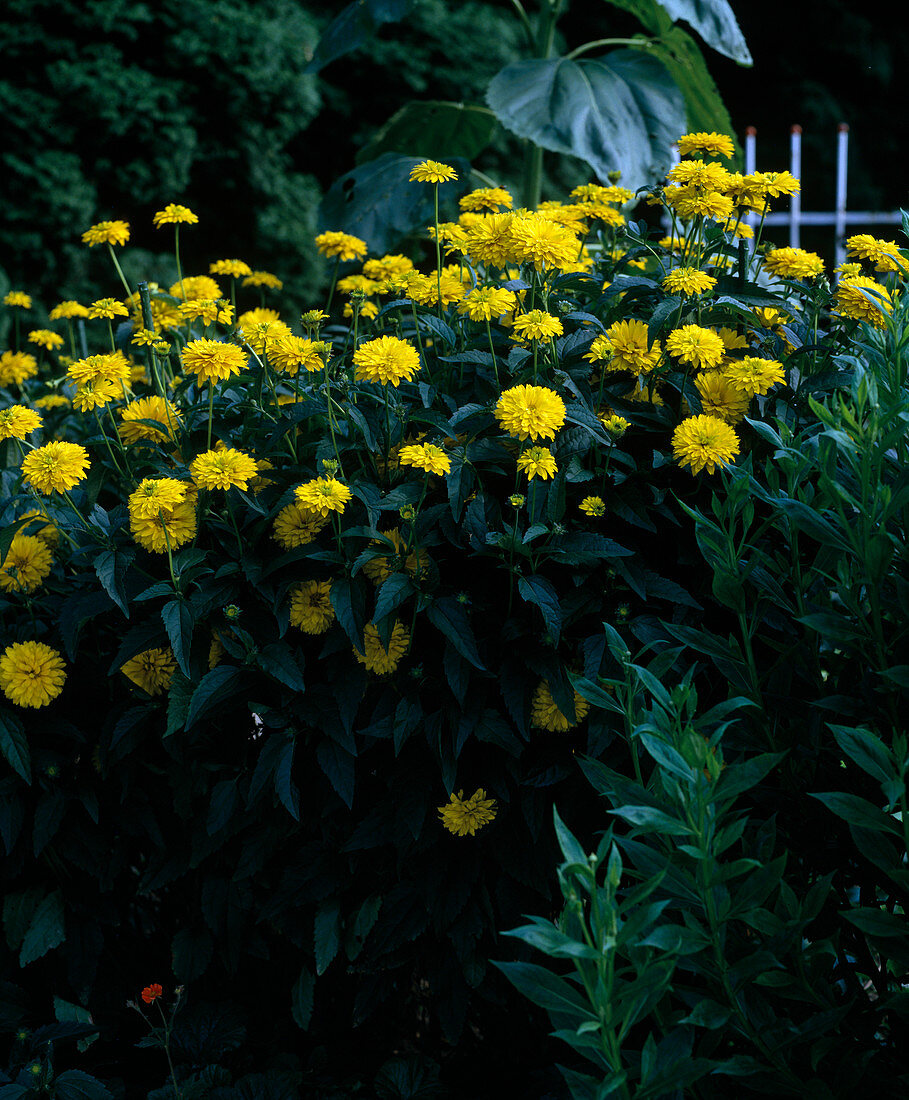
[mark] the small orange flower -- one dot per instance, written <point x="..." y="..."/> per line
<point x="152" y="992"/>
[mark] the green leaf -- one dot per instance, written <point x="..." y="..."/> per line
<point x="350" y="607"/>
<point x="338" y="766"/>
<point x="279" y="662"/>
<point x="111" y="567"/>
<point x="179" y="697"/>
<point x="571" y="849"/>
<point x="435" y="129"/>
<point x="353" y="27"/>
<point x="46" y="931"/>
<point x="178" y="622"/>
<point x="73" y="1084"/>
<point x="327" y="934"/>
<point x="191" y="950"/>
<point x="545" y="937"/>
<point x="537" y="590"/>
<point x="867" y="750"/>
<point x="594" y="694"/>
<point x="393" y="592"/>
<point x="715" y="22"/>
<point x="214" y="688"/>
<point x="618" y="113"/>
<point x="450" y="617"/>
<point x="653" y="820"/>
<point x="301" y="998"/>
<point x="877" y="922"/>
<point x="378" y="203"/>
<point x="14" y="746"/>
<point x="18" y="911"/>
<point x="737" y="778"/>
<point x="546" y="989"/>
<point x="858" y="811"/>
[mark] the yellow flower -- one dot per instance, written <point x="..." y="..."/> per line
<point x="31" y="674"/>
<point x="537" y="240"/>
<point x="486" y="198"/>
<point x="106" y="309"/>
<point x="432" y="171"/>
<point x="116" y="232"/>
<point x="288" y="353"/>
<point x="537" y="325"/>
<point x="323" y="495"/>
<point x="174" y="214"/>
<point x="155" y="495"/>
<point x="261" y="336"/>
<point x="149" y="408"/>
<point x="712" y="145"/>
<point x="51" y="401"/>
<point x="28" y="561"/>
<point x="793" y="263"/>
<point x="221" y="469"/>
<point x="310" y="606"/>
<point x="751" y="375"/>
<point x="263" y="278"/>
<point x="688" y="281"/>
<point x="55" y="467"/>
<point x="196" y="286"/>
<point x="691" y="202"/>
<point x="593" y="506"/>
<point x="693" y="344"/>
<point x="704" y="442"/>
<point x="613" y="423"/>
<point x="16" y="366"/>
<point x="151" y="670"/>
<point x="883" y="254"/>
<point x="342" y="246"/>
<point x="233" y="268"/>
<point x="425" y="456"/>
<point x="489" y="240"/>
<point x="709" y="176"/>
<point x="864" y="299"/>
<point x="386" y="360"/>
<point x="41" y="526"/>
<point x="45" y="338"/>
<point x="168" y="528"/>
<point x="485" y="303"/>
<point x="206" y="310"/>
<point x="545" y="715"/>
<point x="463" y="817"/>
<point x="774" y="184"/>
<point x="530" y="412"/>
<point x="381" y="567"/>
<point x="68" y="311"/>
<point x="720" y="398"/>
<point x="112" y="367"/>
<point x="295" y="526"/>
<point x="732" y="340"/>
<point x="18" y="298"/>
<point x="375" y="656"/>
<point x="95" y="394"/>
<point x="17" y="422"/>
<point x="538" y="462"/>
<point x="213" y="361"/>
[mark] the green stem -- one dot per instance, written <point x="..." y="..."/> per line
<point x="435" y="196"/>
<point x="211" y="402"/>
<point x="533" y="175"/>
<point x="595" y="45"/>
<point x="113" y="256"/>
<point x="334" y="280"/>
<point x="495" y="365"/>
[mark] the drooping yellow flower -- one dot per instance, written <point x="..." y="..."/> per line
<point x="152" y="670"/>
<point x="688" y="281"/>
<point x="720" y="398"/>
<point x="885" y="255"/>
<point x="233" y="268"/>
<point x="463" y="817"/>
<point x="793" y="263"/>
<point x="154" y="495"/>
<point x="31" y="674"/>
<point x="323" y="495"/>
<point x="375" y="656"/>
<point x="55" y="467"/>
<point x="149" y="408"/>
<point x="174" y="214"/>
<point x="17" y="422"/>
<point x="310" y="607"/>
<point x="28" y="561"/>
<point x="343" y="246"/>
<point x="196" y="286"/>
<point x="593" y="506"/>
<point x="707" y="175"/>
<point x="704" y="442"/>
<point x="486" y="303"/>
<point x="263" y="278"/>
<point x="213" y="361"/>
<point x="752" y="375"/>
<point x="425" y="456"/>
<point x="530" y="412"/>
<point x="538" y="462"/>
<point x="16" y="367"/>
<point x="537" y="325"/>
<point x="115" y="232"/>
<point x="41" y="526"/>
<point x="18" y="299"/>
<point x="699" y="346"/>
<point x="863" y="299"/>
<point x="296" y="526"/>
<point x="106" y="309"/>
<point x="545" y="715"/>
<point x="432" y="171"/>
<point x="706" y="144"/>
<point x="68" y="311"/>
<point x="386" y="360"/>
<point x="46" y="338"/>
<point x="222" y="469"/>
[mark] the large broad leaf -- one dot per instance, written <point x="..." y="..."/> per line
<point x="619" y="113"/>
<point x="433" y="129"/>
<point x="353" y="27"/>
<point x="377" y="202"/>
<point x="713" y="20"/>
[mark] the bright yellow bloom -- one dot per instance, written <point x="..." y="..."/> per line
<point x="212" y="360"/>
<point x="754" y="376"/>
<point x="537" y="240"/>
<point x="708" y="175"/>
<point x="626" y="344"/>
<point x="149" y="408"/>
<point x="614" y="424"/>
<point x="18" y="299"/>
<point x="485" y="303"/>
<point x="487" y="198"/>
<point x="343" y="246"/>
<point x="463" y="817"/>
<point x="233" y="268"/>
<point x="206" y="310"/>
<point x="115" y="232"/>
<point x="222" y="469"/>
<point x="704" y="144"/>
<point x="288" y="353"/>
<point x="545" y="715"/>
<point x="691" y="202"/>
<point x="688" y="281"/>
<point x="774" y="184"/>
<point x="106" y="309"/>
<point x="375" y="656"/>
<point x="45" y="338"/>
<point x="295" y="526"/>
<point x="720" y="398"/>
<point x="538" y="462"/>
<point x="68" y="311"/>
<point x="425" y="456"/>
<point x="174" y="214"/>
<point x="883" y="254"/>
<point x="16" y="366"/>
<point x="17" y="422"/>
<point x="310" y="607"/>
<point x="31" y="674"/>
<point x="386" y="360"/>
<point x="732" y="340"/>
<point x="41" y="526"/>
<point x="704" y="442"/>
<point x="489" y="240"/>
<point x="155" y="495"/>
<point x="863" y="299"/>
<point x="426" y="291"/>
<point x="263" y="278"/>
<point x="28" y="561"/>
<point x="537" y="325"/>
<point x="530" y="412"/>
<point x="51" y="401"/>
<point x="196" y="286"/>
<point x="593" y="506"/>
<point x="112" y="367"/>
<point x="693" y="344"/>
<point x="151" y="670"/>
<point x="55" y="467"/>
<point x="323" y="495"/>
<point x="793" y="263"/>
<point x="432" y="171"/>
<point x="95" y="394"/>
<point x="171" y="528"/>
<point x="261" y="336"/>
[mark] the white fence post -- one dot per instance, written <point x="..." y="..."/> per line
<point x="795" y="202"/>
<point x="842" y="161"/>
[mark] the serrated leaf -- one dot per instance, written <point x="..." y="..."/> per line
<point x="214" y="688"/>
<point x="46" y="931"/>
<point x="537" y="590"/>
<point x="179" y="697"/>
<point x="327" y="934"/>
<point x="450" y="617"/>
<point x="111" y="567"/>
<point x="178" y="620"/>
<point x="14" y="745"/>
<point x="279" y="662"/>
<point x="301" y="999"/>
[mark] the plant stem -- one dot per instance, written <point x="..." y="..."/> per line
<point x="113" y="256"/>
